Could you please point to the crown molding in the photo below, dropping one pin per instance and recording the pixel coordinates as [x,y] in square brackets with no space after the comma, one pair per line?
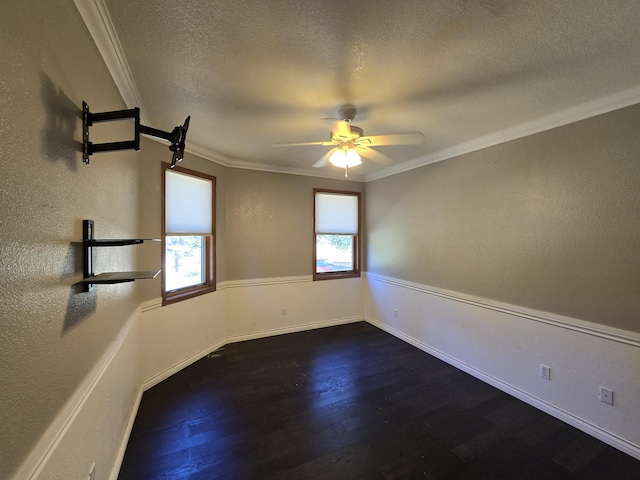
[570,115]
[96,17]
[212,156]
[206,154]
[307,172]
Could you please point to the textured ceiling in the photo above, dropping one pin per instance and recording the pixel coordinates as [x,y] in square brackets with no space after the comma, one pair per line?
[256,72]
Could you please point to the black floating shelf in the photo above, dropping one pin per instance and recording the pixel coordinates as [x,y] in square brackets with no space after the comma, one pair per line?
[118,242]
[89,244]
[120,277]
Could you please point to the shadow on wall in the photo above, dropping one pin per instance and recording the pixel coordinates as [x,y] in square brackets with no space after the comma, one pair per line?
[62,119]
[80,304]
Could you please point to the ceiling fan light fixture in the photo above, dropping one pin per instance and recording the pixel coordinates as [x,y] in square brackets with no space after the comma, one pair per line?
[345,158]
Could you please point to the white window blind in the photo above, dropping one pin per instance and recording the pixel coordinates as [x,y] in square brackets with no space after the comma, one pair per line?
[336,214]
[188,204]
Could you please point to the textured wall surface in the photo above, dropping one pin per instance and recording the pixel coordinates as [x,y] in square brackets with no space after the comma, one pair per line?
[550,222]
[51,335]
[152,155]
[270,223]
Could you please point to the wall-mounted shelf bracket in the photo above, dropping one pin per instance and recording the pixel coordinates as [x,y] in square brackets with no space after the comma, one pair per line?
[176,137]
[90,244]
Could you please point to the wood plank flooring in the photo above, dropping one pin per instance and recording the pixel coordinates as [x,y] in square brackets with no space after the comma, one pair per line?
[349,402]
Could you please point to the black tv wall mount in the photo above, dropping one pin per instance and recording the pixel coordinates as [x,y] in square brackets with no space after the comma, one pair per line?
[176,137]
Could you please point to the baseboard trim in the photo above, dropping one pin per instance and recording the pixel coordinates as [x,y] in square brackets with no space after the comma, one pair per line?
[156,379]
[37,459]
[589,328]
[295,328]
[581,424]
[159,377]
[115,471]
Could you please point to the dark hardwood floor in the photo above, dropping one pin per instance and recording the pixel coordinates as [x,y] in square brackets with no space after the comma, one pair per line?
[350,402]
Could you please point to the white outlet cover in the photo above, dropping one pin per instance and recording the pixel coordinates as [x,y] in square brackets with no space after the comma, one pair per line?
[545,372]
[606,396]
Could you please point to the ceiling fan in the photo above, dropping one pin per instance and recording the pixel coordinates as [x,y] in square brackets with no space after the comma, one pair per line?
[350,144]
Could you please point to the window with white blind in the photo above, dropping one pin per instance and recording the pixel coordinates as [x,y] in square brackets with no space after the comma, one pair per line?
[188,243]
[336,245]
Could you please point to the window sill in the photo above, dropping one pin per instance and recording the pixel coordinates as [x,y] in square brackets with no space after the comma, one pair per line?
[335,275]
[174,297]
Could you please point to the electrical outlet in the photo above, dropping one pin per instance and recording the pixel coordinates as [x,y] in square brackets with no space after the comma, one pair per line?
[606,396]
[545,372]
[284,310]
[92,472]
[395,312]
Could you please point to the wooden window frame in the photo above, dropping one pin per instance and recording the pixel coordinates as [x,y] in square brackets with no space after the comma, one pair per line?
[209,285]
[355,272]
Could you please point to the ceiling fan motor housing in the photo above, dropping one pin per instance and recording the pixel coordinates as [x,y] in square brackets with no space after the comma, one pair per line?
[356,133]
[347,112]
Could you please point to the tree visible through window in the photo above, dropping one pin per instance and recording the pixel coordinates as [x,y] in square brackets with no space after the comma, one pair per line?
[184,261]
[334,253]
[189,228]
[336,234]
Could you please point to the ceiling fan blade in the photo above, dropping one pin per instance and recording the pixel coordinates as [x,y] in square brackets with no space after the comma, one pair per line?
[410,138]
[374,155]
[303,144]
[324,161]
[343,129]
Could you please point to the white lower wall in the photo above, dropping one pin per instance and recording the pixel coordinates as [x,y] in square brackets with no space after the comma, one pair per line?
[181,333]
[256,306]
[157,342]
[92,424]
[504,345]
[501,344]
[178,334]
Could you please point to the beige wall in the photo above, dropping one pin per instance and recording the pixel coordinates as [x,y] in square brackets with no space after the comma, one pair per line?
[153,153]
[264,221]
[550,222]
[51,335]
[270,223]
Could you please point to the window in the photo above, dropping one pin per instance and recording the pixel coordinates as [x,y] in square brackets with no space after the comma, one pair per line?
[336,245]
[188,241]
